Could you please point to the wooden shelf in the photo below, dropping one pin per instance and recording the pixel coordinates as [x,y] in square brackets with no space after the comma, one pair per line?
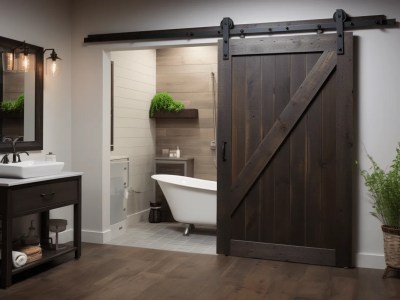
[191,113]
[47,255]
[11,115]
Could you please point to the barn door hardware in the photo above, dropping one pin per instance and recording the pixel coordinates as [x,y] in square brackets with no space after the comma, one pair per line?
[340,23]
[226,25]
[339,17]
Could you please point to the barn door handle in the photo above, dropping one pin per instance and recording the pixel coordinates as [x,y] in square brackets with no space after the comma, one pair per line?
[223,151]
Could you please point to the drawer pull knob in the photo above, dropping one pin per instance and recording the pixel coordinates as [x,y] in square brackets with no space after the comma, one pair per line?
[47,196]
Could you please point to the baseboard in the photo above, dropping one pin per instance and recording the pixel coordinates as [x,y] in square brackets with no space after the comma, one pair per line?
[97,237]
[118,229]
[138,217]
[101,237]
[370,260]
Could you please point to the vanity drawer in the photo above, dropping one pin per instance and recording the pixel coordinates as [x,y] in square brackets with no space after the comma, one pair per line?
[44,196]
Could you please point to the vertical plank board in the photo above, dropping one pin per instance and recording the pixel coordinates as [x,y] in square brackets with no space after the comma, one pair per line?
[297,158]
[253,138]
[313,175]
[328,179]
[267,189]
[239,74]
[344,158]
[282,159]
[223,166]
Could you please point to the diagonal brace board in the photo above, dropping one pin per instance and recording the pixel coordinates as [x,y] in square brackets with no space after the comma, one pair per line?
[282,127]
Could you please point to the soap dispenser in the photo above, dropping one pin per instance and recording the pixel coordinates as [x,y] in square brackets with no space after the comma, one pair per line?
[178,152]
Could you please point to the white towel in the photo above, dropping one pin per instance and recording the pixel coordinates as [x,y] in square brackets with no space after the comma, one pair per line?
[19,259]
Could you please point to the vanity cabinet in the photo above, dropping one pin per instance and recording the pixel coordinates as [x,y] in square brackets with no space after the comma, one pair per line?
[20,197]
[182,166]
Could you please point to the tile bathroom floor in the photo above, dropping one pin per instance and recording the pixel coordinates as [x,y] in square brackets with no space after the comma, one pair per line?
[168,236]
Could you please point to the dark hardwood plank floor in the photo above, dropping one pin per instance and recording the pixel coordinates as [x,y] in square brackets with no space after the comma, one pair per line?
[118,272]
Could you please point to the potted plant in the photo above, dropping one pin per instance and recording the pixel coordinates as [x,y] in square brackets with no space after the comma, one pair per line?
[385,191]
[164,102]
[13,107]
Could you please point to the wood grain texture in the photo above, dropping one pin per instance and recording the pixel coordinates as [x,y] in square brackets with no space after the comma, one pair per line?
[277,45]
[224,140]
[344,151]
[282,126]
[135,273]
[185,73]
[318,256]
[285,130]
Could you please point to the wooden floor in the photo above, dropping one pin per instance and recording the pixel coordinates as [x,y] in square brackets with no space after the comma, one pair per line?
[118,272]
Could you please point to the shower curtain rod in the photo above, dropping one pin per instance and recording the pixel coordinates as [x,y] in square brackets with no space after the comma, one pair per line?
[242,30]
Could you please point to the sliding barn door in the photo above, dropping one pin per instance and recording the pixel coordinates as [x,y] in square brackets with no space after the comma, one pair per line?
[285,149]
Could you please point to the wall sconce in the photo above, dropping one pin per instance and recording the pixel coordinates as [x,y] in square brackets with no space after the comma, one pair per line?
[16,59]
[51,62]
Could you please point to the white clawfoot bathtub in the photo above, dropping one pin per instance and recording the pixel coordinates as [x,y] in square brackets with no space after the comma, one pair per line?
[191,200]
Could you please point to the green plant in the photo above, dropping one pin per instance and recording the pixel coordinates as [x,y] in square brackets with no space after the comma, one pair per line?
[16,105]
[164,101]
[385,190]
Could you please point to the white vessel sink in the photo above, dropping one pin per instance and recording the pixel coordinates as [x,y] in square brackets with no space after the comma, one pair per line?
[30,168]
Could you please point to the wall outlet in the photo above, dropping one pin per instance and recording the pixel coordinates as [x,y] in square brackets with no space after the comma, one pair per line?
[212,145]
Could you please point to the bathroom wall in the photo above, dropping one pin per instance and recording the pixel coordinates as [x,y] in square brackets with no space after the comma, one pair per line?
[185,73]
[376,87]
[45,24]
[134,132]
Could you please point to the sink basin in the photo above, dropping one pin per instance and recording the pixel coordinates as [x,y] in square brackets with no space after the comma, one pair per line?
[30,168]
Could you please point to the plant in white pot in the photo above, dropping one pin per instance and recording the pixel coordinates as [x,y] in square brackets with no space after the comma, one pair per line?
[385,192]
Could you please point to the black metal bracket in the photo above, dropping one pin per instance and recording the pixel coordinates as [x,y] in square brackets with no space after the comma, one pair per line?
[340,17]
[226,25]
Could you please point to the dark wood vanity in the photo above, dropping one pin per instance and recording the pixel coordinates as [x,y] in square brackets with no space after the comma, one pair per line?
[21,197]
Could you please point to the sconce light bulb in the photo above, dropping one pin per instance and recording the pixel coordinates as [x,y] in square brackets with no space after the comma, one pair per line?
[25,63]
[53,67]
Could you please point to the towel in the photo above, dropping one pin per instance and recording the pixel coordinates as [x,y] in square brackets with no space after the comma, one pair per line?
[31,250]
[34,257]
[19,259]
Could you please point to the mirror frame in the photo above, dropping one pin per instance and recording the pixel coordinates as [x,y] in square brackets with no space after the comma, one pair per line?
[37,144]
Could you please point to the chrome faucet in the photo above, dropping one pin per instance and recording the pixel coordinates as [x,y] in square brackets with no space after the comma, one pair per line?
[16,155]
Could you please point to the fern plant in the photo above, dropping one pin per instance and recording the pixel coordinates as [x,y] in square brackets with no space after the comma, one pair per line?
[385,190]
[13,105]
[164,102]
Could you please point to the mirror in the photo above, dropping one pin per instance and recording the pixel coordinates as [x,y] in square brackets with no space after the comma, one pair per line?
[21,95]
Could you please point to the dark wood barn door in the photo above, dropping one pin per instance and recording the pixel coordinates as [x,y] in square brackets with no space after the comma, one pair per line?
[285,158]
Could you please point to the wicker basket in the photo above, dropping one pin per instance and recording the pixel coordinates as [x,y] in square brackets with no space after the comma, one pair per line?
[391,243]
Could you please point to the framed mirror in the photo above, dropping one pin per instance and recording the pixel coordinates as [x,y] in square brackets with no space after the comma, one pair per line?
[21,95]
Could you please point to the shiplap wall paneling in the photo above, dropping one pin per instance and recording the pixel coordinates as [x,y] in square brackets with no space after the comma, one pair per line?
[134,132]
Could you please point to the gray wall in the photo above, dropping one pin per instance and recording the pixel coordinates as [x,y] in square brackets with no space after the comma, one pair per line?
[376,69]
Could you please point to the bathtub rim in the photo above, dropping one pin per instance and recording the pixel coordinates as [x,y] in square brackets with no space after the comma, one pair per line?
[190,181]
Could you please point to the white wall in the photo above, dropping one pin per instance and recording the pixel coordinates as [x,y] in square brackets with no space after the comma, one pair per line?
[376,86]
[134,132]
[46,24]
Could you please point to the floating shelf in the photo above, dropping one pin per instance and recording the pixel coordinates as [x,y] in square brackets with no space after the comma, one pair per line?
[191,113]
[11,115]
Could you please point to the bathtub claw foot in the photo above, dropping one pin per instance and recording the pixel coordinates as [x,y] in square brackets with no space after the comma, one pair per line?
[188,227]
